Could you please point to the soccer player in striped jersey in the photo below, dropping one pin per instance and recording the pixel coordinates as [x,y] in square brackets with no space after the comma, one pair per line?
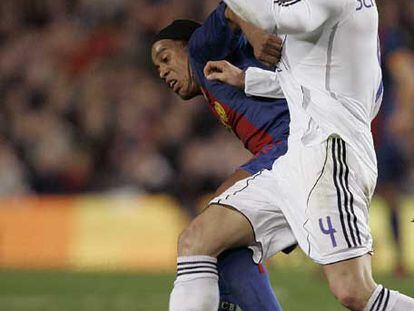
[180,53]
[331,76]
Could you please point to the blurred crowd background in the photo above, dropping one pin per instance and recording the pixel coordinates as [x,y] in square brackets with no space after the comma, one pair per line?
[82,109]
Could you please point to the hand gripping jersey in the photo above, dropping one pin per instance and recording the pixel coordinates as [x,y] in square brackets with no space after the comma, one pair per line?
[261,124]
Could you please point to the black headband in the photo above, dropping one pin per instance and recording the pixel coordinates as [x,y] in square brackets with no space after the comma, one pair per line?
[181,29]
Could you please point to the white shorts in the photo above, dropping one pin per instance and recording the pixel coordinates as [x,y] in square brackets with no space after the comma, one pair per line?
[318,195]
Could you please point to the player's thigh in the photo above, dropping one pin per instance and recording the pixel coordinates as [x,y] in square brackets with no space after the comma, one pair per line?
[215,230]
[337,207]
[326,200]
[253,198]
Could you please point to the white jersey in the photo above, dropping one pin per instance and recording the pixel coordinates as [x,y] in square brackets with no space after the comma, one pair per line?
[330,69]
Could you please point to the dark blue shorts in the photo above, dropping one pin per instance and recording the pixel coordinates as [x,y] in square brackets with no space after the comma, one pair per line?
[266,157]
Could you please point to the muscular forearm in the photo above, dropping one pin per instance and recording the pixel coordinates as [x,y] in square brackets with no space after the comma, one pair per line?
[237,22]
[255,81]
[233,19]
[245,10]
[267,47]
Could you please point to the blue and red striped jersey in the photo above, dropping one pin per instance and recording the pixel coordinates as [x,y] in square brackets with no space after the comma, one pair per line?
[257,122]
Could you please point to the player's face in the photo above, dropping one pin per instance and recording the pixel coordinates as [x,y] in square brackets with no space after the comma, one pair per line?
[171,59]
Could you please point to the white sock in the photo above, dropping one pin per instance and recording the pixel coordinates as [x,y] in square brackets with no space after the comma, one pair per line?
[384,299]
[402,302]
[196,287]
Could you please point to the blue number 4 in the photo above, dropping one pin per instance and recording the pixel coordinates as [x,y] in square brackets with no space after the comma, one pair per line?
[330,230]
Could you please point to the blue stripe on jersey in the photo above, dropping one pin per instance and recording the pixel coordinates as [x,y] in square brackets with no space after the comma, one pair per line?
[380,91]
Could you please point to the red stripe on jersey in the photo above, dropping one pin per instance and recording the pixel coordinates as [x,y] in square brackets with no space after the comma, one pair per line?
[262,269]
[253,138]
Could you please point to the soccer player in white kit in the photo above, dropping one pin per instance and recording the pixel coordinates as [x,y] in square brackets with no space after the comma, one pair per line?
[330,73]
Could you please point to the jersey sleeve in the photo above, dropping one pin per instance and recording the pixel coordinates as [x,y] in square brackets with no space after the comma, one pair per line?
[287,16]
[262,83]
[215,39]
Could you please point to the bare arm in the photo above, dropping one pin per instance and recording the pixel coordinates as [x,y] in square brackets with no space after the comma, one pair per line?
[225,72]
[254,82]
[267,46]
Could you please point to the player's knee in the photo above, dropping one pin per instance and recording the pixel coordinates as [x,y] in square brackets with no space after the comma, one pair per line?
[192,240]
[349,294]
[351,282]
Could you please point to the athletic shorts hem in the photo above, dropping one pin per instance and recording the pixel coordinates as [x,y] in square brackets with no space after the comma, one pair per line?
[333,259]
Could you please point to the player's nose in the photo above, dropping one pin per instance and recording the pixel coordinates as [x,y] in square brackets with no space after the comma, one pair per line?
[163,72]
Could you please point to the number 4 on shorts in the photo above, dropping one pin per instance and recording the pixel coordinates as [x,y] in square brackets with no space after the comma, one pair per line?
[330,230]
